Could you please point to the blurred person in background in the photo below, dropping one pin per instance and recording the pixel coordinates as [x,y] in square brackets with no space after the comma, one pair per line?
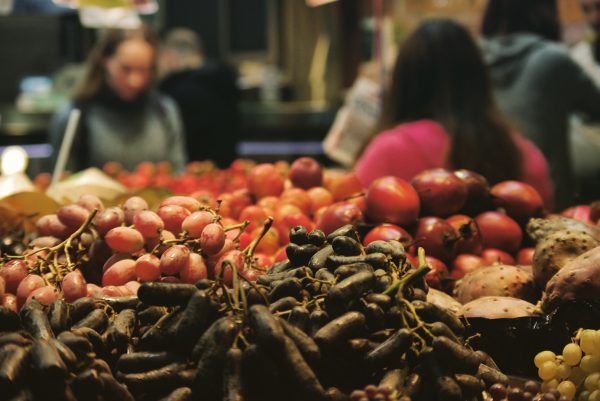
[536,83]
[585,137]
[123,119]
[440,112]
[207,95]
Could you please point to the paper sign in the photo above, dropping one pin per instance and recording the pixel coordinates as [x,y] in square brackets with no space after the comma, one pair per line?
[316,3]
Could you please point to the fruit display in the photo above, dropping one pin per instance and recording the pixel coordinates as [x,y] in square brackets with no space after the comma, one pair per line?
[265,281]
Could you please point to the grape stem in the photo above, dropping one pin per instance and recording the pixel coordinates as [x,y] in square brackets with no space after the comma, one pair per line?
[249,251]
[398,286]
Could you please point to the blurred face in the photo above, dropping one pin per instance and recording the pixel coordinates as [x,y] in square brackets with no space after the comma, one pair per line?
[129,70]
[591,10]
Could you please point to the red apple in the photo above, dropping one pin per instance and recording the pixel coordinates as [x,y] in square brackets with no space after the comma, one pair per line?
[438,273]
[387,232]
[595,212]
[298,197]
[525,256]
[392,200]
[437,237]
[499,231]
[256,215]
[579,212]
[306,173]
[491,256]
[521,201]
[338,215]
[265,180]
[440,191]
[463,264]
[469,235]
[344,186]
[478,191]
[319,197]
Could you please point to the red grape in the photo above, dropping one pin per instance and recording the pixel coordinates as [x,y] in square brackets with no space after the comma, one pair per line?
[147,268]
[74,286]
[119,273]
[133,206]
[195,223]
[132,287]
[187,202]
[212,239]
[194,270]
[112,291]
[148,223]
[109,219]
[13,272]
[46,295]
[44,241]
[174,259]
[9,301]
[173,216]
[51,225]
[72,216]
[92,290]
[2,287]
[114,259]
[27,286]
[90,202]
[124,239]
[170,279]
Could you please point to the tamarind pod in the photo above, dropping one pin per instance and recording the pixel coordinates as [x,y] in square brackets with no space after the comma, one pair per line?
[346,246]
[316,320]
[344,271]
[298,317]
[283,304]
[113,390]
[389,353]
[430,313]
[289,287]
[320,258]
[232,380]
[151,381]
[150,315]
[308,348]
[94,337]
[470,385]
[166,294]
[121,329]
[455,357]
[35,322]
[179,394]
[119,303]
[14,338]
[47,366]
[298,272]
[214,346]
[347,230]
[13,364]
[187,330]
[137,362]
[280,267]
[340,296]
[376,260]
[394,380]
[80,308]
[299,255]
[224,326]
[67,356]
[340,329]
[58,316]
[96,320]
[156,338]
[87,385]
[79,344]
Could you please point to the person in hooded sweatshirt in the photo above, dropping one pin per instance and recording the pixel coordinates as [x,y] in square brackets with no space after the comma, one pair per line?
[207,95]
[536,83]
[439,111]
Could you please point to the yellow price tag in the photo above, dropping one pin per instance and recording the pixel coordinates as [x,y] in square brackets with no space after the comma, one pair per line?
[106,3]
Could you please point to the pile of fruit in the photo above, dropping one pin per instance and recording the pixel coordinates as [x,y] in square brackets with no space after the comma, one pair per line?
[273,278]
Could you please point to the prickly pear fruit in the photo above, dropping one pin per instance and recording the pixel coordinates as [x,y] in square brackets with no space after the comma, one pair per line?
[498,308]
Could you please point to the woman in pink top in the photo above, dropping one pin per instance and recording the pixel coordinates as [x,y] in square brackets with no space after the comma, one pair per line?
[440,112]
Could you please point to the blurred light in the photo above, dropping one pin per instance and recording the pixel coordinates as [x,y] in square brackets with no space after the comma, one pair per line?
[14,160]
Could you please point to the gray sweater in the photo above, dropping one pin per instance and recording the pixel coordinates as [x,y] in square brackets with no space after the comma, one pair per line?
[538,87]
[152,131]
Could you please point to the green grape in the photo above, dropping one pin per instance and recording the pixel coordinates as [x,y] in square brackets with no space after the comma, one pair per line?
[590,363]
[542,357]
[549,385]
[567,388]
[583,396]
[591,382]
[548,370]
[572,354]
[587,341]
[563,371]
[594,396]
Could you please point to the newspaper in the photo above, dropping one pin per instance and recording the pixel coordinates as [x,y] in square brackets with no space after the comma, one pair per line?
[354,122]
